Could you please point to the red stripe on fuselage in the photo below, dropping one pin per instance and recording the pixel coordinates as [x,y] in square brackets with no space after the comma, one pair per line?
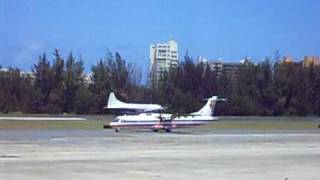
[158,125]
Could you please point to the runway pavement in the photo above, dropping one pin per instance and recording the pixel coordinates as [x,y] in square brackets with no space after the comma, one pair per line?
[43,118]
[187,154]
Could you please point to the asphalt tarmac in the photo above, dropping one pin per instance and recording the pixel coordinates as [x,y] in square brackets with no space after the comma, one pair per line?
[185,154]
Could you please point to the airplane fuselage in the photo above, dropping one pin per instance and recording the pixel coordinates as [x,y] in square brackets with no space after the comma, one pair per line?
[157,121]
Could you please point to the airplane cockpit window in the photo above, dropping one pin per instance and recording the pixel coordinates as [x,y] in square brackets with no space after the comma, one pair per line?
[115,120]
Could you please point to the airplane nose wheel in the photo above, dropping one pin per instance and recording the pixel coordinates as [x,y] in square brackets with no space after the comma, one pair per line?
[168,130]
[117,130]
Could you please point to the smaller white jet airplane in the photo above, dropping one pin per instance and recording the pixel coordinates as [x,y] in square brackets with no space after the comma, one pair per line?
[115,104]
[159,121]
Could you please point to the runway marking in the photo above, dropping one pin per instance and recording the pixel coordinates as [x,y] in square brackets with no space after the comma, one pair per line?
[44,118]
[7,157]
[248,134]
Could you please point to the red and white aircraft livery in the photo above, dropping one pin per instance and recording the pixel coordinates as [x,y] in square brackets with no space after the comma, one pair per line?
[160,121]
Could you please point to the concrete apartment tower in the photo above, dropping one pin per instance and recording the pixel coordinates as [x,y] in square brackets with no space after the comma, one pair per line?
[163,57]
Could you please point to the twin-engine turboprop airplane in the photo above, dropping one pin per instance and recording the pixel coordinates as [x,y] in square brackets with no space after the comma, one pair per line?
[160,121]
[130,108]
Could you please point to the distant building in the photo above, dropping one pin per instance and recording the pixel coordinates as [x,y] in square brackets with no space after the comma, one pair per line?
[23,74]
[290,60]
[87,79]
[217,67]
[231,69]
[4,69]
[311,60]
[163,57]
[287,59]
[203,60]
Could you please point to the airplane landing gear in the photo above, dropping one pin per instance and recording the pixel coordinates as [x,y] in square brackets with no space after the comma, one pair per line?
[116,129]
[168,130]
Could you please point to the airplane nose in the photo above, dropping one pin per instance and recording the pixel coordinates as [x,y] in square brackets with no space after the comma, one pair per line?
[107,126]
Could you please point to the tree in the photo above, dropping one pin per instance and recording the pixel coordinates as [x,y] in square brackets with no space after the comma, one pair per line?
[100,86]
[83,101]
[119,73]
[43,83]
[10,94]
[284,88]
[264,84]
[208,83]
[73,81]
[29,101]
[56,96]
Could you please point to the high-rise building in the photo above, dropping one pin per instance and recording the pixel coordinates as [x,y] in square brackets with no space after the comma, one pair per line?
[311,60]
[163,57]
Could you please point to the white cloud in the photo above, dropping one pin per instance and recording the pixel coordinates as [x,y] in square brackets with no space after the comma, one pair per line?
[31,45]
[27,52]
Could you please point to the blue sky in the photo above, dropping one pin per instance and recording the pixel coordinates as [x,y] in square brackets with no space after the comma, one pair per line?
[228,29]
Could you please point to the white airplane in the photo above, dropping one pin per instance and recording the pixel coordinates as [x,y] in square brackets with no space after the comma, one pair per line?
[159,121]
[115,104]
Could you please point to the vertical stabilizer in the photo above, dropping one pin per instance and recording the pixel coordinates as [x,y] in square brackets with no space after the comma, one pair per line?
[208,108]
[112,100]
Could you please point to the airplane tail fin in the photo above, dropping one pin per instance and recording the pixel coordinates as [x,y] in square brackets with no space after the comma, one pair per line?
[208,108]
[112,100]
